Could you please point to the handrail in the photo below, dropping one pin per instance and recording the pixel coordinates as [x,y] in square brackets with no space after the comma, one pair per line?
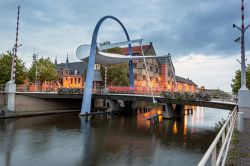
[211,153]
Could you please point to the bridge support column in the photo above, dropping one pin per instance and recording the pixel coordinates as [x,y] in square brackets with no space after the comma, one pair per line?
[180,109]
[112,105]
[10,89]
[98,103]
[130,105]
[168,111]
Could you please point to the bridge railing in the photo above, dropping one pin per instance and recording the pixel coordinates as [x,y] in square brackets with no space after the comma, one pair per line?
[224,100]
[37,88]
[95,90]
[134,90]
[218,150]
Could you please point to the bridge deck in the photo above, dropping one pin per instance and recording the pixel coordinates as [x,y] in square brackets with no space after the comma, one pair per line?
[134,97]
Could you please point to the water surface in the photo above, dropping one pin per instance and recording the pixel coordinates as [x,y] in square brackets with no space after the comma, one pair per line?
[66,140]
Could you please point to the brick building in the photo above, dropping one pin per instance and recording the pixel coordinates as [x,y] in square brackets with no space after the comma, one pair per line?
[161,73]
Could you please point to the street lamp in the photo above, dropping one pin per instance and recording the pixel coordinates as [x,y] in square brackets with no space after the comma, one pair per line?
[243,93]
[35,58]
[241,39]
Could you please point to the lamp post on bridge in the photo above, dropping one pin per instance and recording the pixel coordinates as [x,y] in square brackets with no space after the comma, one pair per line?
[35,58]
[243,93]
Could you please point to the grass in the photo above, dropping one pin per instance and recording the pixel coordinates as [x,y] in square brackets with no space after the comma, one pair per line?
[235,150]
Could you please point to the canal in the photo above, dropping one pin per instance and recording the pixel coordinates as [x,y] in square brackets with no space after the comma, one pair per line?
[66,139]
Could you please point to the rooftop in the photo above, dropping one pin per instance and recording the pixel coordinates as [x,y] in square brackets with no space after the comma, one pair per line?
[184,80]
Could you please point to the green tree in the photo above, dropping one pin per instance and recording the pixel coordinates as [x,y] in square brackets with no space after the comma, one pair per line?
[46,71]
[5,69]
[117,75]
[236,81]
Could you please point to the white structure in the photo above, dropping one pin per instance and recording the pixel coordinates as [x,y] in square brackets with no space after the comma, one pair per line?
[10,89]
[82,53]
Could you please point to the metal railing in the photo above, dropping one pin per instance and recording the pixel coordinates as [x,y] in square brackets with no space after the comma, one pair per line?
[217,152]
[38,88]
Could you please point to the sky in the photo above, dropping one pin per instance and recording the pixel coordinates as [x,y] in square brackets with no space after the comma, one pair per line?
[197,33]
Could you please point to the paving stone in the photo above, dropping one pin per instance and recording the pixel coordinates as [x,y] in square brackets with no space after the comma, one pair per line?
[244,145]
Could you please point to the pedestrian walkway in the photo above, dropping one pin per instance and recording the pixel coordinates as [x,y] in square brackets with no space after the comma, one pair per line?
[240,147]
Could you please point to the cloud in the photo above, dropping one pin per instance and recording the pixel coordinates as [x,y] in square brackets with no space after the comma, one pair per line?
[209,71]
[181,27]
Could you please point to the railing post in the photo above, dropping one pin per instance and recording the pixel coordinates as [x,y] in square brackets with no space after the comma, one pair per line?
[223,137]
[213,157]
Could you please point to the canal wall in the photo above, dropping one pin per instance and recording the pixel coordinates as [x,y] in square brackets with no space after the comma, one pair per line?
[30,104]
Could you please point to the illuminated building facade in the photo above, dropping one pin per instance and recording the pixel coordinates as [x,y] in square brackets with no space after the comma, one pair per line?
[71,74]
[160,71]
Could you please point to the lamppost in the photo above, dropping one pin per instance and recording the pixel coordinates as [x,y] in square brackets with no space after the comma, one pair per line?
[243,93]
[35,57]
[242,40]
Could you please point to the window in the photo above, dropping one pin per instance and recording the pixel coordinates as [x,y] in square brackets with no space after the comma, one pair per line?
[151,68]
[135,65]
[156,70]
[135,76]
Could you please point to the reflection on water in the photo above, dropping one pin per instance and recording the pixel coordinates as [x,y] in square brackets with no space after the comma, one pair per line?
[121,140]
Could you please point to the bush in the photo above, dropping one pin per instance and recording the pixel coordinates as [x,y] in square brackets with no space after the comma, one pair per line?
[201,96]
[70,90]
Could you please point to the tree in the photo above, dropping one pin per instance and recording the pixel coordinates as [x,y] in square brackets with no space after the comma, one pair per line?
[236,81]
[5,69]
[117,75]
[46,71]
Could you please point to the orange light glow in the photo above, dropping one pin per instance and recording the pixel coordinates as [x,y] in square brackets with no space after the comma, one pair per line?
[175,130]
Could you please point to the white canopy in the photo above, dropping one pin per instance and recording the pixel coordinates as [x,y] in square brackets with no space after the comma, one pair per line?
[83,51]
